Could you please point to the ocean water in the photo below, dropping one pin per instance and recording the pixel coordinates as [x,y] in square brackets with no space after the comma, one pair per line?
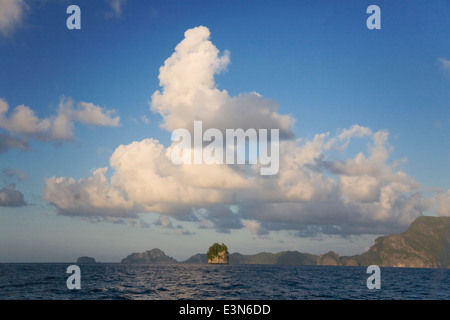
[113,281]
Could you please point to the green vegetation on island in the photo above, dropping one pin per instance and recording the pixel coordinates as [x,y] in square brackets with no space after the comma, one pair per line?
[217,253]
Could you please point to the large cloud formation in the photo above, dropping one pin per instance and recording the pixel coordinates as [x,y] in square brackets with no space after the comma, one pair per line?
[317,189]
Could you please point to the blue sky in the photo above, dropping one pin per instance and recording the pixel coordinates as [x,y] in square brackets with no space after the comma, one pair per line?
[316,60]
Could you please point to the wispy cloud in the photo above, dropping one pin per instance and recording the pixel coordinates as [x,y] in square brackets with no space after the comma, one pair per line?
[116,7]
[445,64]
[166,222]
[144,119]
[14,174]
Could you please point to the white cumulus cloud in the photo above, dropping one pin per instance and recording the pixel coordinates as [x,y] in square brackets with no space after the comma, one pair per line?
[23,122]
[305,192]
[318,188]
[189,92]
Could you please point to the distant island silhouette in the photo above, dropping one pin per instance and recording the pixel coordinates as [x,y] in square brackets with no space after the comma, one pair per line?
[86,259]
[426,244]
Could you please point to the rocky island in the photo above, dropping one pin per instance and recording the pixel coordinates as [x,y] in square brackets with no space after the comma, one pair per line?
[85,259]
[426,244]
[217,254]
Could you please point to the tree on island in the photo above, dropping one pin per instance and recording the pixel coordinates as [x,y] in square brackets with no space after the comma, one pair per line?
[217,253]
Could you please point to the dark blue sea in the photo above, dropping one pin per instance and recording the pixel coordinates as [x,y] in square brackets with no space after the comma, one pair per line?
[114,281]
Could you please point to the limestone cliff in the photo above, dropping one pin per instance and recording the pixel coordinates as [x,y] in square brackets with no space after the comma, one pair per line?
[218,254]
[221,258]
[424,245]
[328,259]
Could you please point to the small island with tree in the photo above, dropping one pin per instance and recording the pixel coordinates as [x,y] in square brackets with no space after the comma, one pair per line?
[217,254]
